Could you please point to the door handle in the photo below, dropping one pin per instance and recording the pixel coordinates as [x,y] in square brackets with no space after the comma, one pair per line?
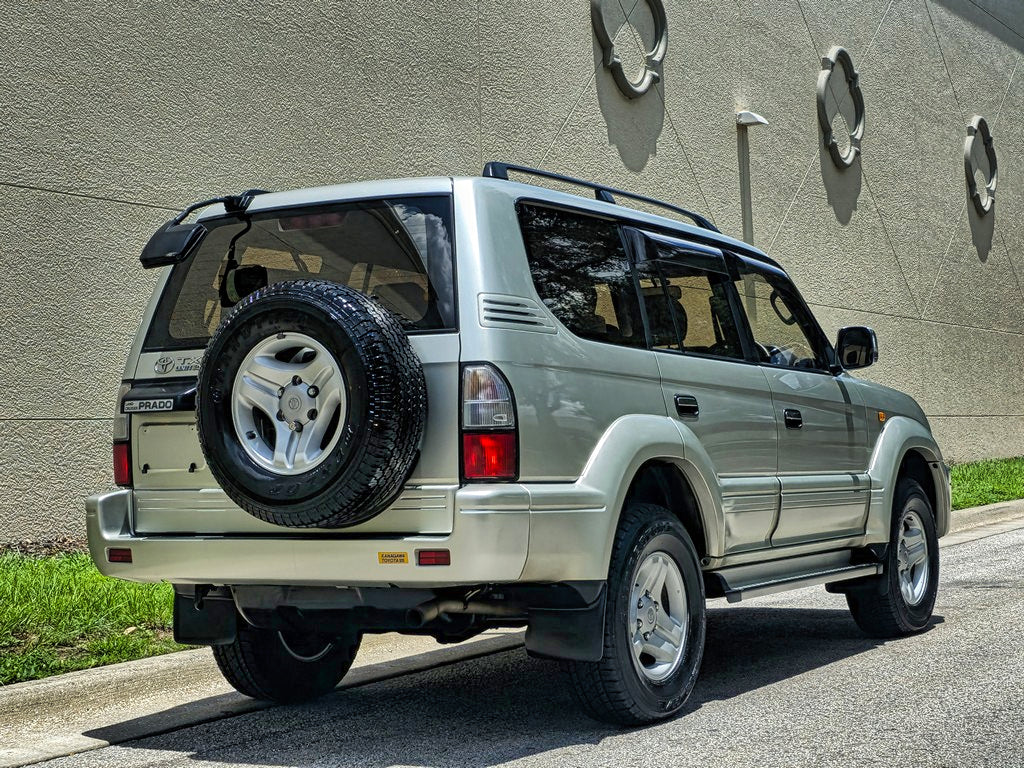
[793,418]
[687,405]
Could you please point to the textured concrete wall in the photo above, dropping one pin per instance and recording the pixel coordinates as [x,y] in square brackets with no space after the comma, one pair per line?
[115,114]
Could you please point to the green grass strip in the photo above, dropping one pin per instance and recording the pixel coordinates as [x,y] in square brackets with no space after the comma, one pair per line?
[59,614]
[987,482]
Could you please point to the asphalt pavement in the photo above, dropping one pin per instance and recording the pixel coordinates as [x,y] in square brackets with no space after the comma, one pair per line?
[787,680]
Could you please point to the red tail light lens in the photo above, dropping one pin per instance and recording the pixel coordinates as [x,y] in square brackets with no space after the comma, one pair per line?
[489,456]
[122,464]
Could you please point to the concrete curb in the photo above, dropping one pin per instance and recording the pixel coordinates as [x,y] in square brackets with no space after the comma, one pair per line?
[93,708]
[974,517]
[90,709]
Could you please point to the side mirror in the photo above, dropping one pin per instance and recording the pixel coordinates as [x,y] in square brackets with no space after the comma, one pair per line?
[857,347]
[172,244]
[240,282]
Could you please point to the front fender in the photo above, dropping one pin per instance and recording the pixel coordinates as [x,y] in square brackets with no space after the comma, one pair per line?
[899,436]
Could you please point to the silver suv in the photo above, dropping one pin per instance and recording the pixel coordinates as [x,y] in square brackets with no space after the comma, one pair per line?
[440,405]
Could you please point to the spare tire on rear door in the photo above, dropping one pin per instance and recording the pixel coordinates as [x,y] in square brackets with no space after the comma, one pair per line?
[310,405]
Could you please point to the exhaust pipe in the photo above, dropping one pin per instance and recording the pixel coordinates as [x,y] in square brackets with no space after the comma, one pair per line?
[427,612]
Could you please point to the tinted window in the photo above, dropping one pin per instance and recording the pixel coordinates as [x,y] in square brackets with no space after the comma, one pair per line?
[581,274]
[398,251]
[689,311]
[783,334]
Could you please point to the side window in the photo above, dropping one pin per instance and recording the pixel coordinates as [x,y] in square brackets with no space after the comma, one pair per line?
[783,336]
[689,311]
[581,273]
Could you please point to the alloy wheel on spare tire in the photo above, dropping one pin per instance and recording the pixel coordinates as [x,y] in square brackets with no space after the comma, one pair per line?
[310,405]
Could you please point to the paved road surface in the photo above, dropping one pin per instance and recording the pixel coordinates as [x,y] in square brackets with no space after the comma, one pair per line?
[787,681]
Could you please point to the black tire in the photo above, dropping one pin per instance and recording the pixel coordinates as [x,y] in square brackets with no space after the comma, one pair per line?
[614,690]
[384,420]
[260,665]
[877,604]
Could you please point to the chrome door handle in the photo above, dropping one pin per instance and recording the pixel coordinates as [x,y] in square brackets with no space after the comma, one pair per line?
[687,405]
[793,418]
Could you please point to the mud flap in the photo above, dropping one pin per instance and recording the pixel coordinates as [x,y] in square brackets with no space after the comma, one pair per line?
[209,620]
[575,634]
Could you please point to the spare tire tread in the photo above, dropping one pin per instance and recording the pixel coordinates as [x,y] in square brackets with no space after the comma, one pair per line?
[384,456]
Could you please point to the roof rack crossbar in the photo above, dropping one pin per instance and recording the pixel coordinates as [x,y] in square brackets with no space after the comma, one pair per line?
[496,170]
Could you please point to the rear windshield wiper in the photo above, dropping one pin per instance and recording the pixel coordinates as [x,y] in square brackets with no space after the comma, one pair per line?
[174,241]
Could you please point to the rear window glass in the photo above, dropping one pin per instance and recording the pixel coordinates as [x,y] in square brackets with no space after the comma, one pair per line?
[398,251]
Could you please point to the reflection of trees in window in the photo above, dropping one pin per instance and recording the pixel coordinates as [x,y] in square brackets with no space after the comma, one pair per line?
[581,274]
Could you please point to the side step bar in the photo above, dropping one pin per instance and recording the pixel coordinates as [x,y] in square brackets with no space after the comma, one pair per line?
[740,582]
[806,580]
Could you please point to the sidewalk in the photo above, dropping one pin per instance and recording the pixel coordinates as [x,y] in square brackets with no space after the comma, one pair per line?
[86,710]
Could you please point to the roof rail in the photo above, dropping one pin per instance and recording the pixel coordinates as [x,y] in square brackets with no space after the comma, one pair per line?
[495,170]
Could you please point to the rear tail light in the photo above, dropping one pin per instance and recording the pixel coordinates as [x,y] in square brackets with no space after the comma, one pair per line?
[490,438]
[122,464]
[489,456]
[120,417]
[122,446]
[122,437]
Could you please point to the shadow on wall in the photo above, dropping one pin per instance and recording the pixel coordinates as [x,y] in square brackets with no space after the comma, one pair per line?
[1003,19]
[982,229]
[634,125]
[842,185]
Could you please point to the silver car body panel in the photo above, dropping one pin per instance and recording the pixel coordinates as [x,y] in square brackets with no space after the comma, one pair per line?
[590,416]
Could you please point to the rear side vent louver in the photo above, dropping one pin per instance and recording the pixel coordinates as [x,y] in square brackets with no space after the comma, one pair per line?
[514,313]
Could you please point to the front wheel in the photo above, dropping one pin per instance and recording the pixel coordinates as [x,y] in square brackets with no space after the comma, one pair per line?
[654,624]
[284,666]
[900,600]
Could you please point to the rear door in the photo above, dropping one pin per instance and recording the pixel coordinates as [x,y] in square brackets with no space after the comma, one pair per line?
[707,382]
[823,447]
[398,250]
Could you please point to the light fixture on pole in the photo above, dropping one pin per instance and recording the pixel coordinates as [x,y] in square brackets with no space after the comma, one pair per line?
[744,120]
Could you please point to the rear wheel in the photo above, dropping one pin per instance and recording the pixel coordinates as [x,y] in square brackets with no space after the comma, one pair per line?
[284,666]
[900,600]
[654,624]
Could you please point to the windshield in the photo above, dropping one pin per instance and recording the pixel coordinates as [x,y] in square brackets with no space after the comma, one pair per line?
[398,251]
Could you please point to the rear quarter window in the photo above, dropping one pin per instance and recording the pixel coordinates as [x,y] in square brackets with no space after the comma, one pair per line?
[581,273]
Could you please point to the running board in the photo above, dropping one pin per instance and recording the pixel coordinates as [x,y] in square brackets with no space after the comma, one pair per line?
[807,580]
[753,580]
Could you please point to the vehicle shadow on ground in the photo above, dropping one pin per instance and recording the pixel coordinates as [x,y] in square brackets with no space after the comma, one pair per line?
[493,709]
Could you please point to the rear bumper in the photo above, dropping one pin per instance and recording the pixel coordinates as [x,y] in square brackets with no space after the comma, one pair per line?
[501,533]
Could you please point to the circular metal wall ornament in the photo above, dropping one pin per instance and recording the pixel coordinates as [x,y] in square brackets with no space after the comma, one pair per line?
[832,98]
[632,89]
[976,158]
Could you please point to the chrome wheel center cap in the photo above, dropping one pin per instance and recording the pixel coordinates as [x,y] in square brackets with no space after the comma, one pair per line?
[296,403]
[647,613]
